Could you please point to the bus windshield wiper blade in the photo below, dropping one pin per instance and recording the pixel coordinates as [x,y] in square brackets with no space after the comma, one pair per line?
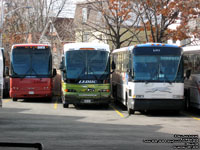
[79,76]
[93,73]
[23,76]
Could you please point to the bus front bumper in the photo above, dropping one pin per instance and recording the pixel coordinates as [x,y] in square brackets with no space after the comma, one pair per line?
[156,104]
[30,94]
[73,99]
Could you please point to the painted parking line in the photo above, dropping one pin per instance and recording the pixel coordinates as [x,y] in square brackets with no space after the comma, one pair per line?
[6,101]
[117,111]
[190,115]
[56,105]
[196,118]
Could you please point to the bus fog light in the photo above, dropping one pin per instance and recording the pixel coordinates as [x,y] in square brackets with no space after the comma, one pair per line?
[104,90]
[178,96]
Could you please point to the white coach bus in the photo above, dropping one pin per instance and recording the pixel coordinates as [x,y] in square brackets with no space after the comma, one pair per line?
[192,76]
[148,77]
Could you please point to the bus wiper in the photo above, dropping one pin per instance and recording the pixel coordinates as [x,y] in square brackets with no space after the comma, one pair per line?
[26,73]
[79,76]
[104,73]
[33,70]
[165,78]
[30,70]
[93,73]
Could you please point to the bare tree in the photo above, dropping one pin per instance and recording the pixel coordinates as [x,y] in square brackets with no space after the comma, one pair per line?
[30,22]
[112,18]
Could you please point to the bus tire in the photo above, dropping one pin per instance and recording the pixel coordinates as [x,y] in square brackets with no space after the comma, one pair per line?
[130,111]
[65,105]
[14,99]
[105,106]
[187,100]
[115,95]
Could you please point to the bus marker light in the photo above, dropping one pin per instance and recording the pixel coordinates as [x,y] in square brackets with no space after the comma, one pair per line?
[86,48]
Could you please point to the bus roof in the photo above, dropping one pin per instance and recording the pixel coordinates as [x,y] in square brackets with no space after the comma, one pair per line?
[191,48]
[29,44]
[94,46]
[129,48]
[123,49]
[157,45]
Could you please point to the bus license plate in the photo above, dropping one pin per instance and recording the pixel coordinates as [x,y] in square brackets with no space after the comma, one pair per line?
[31,92]
[87,101]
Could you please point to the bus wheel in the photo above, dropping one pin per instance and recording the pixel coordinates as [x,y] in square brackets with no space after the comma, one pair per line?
[65,105]
[106,106]
[115,95]
[130,111]
[14,99]
[187,100]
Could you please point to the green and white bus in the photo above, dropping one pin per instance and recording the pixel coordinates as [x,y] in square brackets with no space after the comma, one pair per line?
[85,74]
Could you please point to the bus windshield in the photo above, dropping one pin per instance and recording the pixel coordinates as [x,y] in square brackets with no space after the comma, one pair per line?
[31,62]
[87,64]
[163,68]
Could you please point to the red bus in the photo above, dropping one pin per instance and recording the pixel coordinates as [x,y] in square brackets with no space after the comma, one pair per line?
[31,71]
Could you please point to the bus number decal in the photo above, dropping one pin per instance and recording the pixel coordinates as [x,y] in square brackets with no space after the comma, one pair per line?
[41,47]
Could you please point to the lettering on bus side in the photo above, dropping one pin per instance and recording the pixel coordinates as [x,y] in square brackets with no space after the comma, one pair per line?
[87,82]
[156,50]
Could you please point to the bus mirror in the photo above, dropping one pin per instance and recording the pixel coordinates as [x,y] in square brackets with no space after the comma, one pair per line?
[61,66]
[113,65]
[6,71]
[54,72]
[188,73]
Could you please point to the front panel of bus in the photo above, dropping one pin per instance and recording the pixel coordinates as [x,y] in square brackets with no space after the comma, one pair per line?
[157,77]
[31,71]
[87,76]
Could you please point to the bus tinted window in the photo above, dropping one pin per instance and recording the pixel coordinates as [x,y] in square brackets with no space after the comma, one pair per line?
[31,61]
[158,68]
[192,62]
[87,64]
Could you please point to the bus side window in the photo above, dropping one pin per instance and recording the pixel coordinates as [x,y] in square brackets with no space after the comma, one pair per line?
[189,62]
[197,63]
[186,63]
